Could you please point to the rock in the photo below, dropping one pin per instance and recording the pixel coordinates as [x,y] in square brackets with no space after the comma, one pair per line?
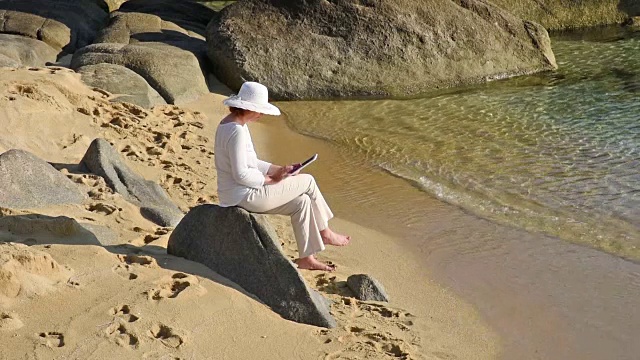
[114,4]
[102,159]
[116,79]
[24,51]
[240,246]
[27,182]
[63,24]
[634,21]
[174,73]
[189,15]
[563,14]
[367,288]
[303,49]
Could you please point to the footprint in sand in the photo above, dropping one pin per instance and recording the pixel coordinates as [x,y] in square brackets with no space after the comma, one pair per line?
[51,339]
[168,336]
[146,261]
[178,283]
[125,272]
[9,321]
[358,336]
[121,335]
[124,312]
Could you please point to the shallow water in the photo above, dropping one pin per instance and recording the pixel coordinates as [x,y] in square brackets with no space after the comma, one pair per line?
[556,153]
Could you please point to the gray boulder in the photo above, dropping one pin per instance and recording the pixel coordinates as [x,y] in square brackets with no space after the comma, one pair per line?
[16,51]
[27,182]
[174,73]
[116,79]
[240,246]
[367,288]
[65,25]
[102,159]
[308,49]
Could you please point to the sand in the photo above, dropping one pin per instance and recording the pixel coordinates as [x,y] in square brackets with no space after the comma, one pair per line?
[94,280]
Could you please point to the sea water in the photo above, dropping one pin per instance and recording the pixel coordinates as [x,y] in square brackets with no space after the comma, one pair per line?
[556,153]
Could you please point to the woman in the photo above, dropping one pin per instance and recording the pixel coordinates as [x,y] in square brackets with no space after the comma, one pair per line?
[261,187]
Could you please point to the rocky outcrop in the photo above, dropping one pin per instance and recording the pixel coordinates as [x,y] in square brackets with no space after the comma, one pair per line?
[102,159]
[568,14]
[162,41]
[116,79]
[65,25]
[241,247]
[174,73]
[306,49]
[367,288]
[27,182]
[16,51]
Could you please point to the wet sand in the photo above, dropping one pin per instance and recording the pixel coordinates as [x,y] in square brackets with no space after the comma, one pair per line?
[546,298]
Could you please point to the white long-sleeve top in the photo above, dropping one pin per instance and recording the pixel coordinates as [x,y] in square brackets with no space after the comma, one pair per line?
[238,166]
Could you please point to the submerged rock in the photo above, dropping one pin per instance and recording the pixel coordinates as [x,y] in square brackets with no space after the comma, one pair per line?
[241,247]
[102,159]
[367,288]
[28,182]
[305,49]
[16,51]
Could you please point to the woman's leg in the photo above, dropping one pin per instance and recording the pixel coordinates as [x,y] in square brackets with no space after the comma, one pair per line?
[299,197]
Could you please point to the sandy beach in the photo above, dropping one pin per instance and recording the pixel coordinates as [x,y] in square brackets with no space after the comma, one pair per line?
[113,292]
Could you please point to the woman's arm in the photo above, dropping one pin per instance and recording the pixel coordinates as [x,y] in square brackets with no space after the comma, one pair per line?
[240,170]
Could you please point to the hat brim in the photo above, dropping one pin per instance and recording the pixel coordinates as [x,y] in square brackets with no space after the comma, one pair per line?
[267,109]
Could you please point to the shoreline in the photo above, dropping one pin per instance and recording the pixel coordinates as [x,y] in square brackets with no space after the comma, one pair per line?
[540,294]
[444,324]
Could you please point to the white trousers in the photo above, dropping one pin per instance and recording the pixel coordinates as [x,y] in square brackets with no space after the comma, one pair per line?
[299,197]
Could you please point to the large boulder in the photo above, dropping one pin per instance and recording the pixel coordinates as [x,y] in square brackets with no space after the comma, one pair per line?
[116,79]
[102,159]
[16,51]
[305,49]
[174,73]
[65,25]
[27,182]
[567,14]
[241,247]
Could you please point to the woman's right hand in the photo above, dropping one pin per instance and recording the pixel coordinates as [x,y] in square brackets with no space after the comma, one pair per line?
[278,175]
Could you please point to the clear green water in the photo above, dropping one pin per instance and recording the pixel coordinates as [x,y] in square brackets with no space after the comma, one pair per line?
[557,153]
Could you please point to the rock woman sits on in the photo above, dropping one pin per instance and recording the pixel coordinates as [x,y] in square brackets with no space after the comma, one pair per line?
[261,187]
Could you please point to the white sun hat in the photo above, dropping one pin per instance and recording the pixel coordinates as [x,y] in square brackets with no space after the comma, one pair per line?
[252,96]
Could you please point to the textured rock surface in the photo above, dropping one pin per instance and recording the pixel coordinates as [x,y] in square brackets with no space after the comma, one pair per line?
[566,14]
[367,288]
[174,73]
[117,79]
[304,49]
[63,24]
[29,182]
[16,50]
[102,159]
[240,246]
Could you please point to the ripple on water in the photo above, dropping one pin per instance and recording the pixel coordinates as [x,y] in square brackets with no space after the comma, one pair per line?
[557,153]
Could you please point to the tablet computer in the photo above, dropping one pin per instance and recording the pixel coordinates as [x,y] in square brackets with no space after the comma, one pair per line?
[304,163]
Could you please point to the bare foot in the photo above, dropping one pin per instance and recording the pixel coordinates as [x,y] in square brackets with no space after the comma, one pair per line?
[311,263]
[331,238]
